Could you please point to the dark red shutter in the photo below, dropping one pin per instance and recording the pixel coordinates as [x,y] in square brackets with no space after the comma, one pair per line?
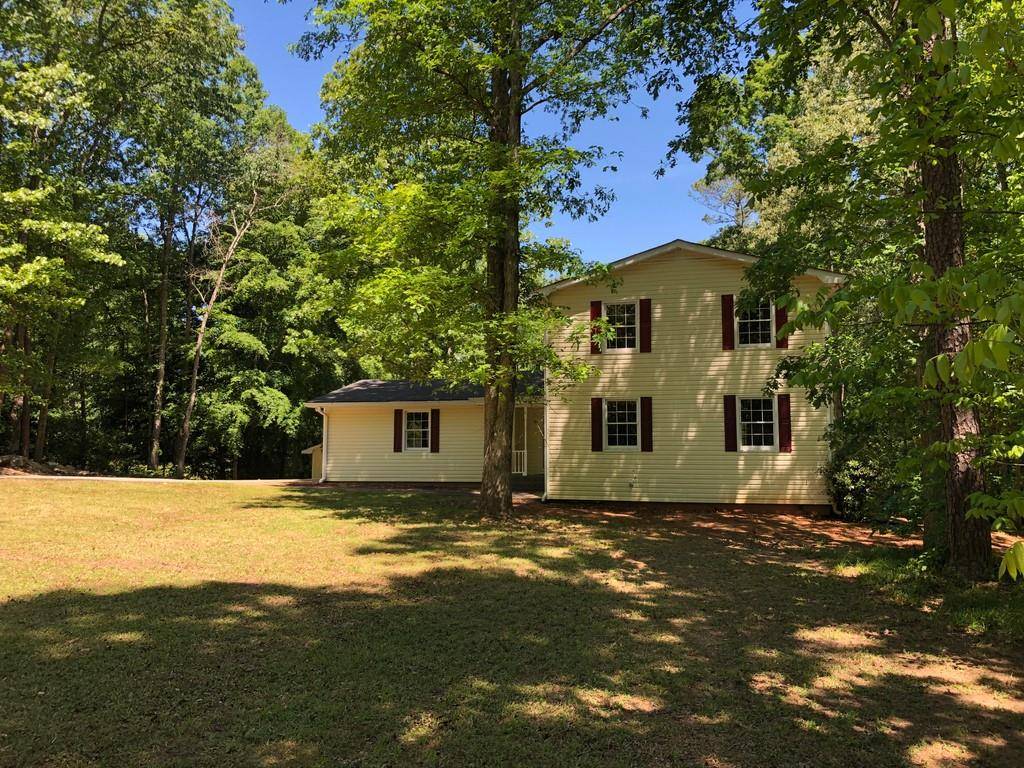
[435,430]
[730,422]
[398,430]
[728,322]
[781,318]
[595,314]
[785,425]
[646,425]
[645,325]
[596,424]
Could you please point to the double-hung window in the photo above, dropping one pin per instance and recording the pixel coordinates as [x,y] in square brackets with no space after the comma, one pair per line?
[757,423]
[417,430]
[622,420]
[754,326]
[622,319]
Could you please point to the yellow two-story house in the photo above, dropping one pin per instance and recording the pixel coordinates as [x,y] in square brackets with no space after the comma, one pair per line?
[676,411]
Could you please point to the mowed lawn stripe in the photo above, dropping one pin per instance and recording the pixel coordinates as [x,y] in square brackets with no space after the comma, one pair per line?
[228,624]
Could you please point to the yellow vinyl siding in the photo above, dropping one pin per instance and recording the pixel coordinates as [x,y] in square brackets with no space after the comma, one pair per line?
[535,441]
[360,440]
[686,374]
[316,468]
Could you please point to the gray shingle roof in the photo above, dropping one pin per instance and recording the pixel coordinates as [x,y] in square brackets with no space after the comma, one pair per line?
[375,391]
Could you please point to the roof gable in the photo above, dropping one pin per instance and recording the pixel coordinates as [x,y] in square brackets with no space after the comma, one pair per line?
[685,247]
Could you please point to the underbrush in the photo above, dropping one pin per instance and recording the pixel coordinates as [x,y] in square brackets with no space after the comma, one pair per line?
[915,579]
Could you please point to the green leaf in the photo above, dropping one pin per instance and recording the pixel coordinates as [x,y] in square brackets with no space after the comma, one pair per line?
[930,377]
[1013,561]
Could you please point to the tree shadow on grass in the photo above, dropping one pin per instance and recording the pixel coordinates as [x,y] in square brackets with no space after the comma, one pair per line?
[603,641]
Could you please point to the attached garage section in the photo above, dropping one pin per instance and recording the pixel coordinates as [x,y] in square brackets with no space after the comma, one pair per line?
[417,432]
[422,442]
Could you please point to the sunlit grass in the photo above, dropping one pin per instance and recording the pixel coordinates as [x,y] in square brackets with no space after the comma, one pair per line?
[247,625]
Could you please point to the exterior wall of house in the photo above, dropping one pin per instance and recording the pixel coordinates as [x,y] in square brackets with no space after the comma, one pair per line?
[316,465]
[535,440]
[360,444]
[686,374]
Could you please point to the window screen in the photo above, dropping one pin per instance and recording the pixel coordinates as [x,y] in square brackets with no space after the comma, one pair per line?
[622,319]
[757,422]
[417,429]
[755,325]
[621,423]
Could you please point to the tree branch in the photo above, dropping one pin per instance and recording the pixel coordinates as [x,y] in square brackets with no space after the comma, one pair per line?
[580,46]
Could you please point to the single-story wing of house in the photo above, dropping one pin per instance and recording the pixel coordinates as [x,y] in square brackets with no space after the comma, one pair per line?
[677,410]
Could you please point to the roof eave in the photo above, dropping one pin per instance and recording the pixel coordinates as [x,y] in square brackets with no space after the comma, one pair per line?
[825,276]
[314,404]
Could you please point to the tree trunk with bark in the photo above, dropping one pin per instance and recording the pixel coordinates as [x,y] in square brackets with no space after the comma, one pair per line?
[5,340]
[935,534]
[44,406]
[502,291]
[969,541]
[167,230]
[227,253]
[26,400]
[13,341]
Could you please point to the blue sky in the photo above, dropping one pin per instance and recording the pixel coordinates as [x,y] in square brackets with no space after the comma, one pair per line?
[647,211]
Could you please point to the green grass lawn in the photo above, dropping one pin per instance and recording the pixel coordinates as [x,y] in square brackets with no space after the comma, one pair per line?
[218,624]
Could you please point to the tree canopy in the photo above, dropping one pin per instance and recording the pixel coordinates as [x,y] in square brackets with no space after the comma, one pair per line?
[883,141]
[130,128]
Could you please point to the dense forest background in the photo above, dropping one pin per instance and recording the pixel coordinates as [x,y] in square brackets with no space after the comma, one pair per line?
[136,147]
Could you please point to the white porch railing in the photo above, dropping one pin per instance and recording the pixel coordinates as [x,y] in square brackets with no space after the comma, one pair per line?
[518,462]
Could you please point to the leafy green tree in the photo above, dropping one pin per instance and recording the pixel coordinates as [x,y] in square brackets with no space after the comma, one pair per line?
[189,142]
[457,119]
[51,126]
[127,127]
[263,182]
[881,139]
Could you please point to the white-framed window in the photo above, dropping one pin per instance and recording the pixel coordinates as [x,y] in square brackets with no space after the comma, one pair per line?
[756,422]
[622,425]
[755,327]
[417,430]
[622,318]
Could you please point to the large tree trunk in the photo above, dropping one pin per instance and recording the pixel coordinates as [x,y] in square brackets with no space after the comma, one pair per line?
[502,293]
[190,404]
[167,229]
[934,518]
[197,351]
[25,426]
[44,407]
[969,540]
[83,421]
[5,340]
[14,416]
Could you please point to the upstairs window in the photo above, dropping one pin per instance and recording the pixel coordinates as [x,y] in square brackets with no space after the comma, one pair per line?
[621,422]
[622,320]
[417,430]
[754,326]
[757,423]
